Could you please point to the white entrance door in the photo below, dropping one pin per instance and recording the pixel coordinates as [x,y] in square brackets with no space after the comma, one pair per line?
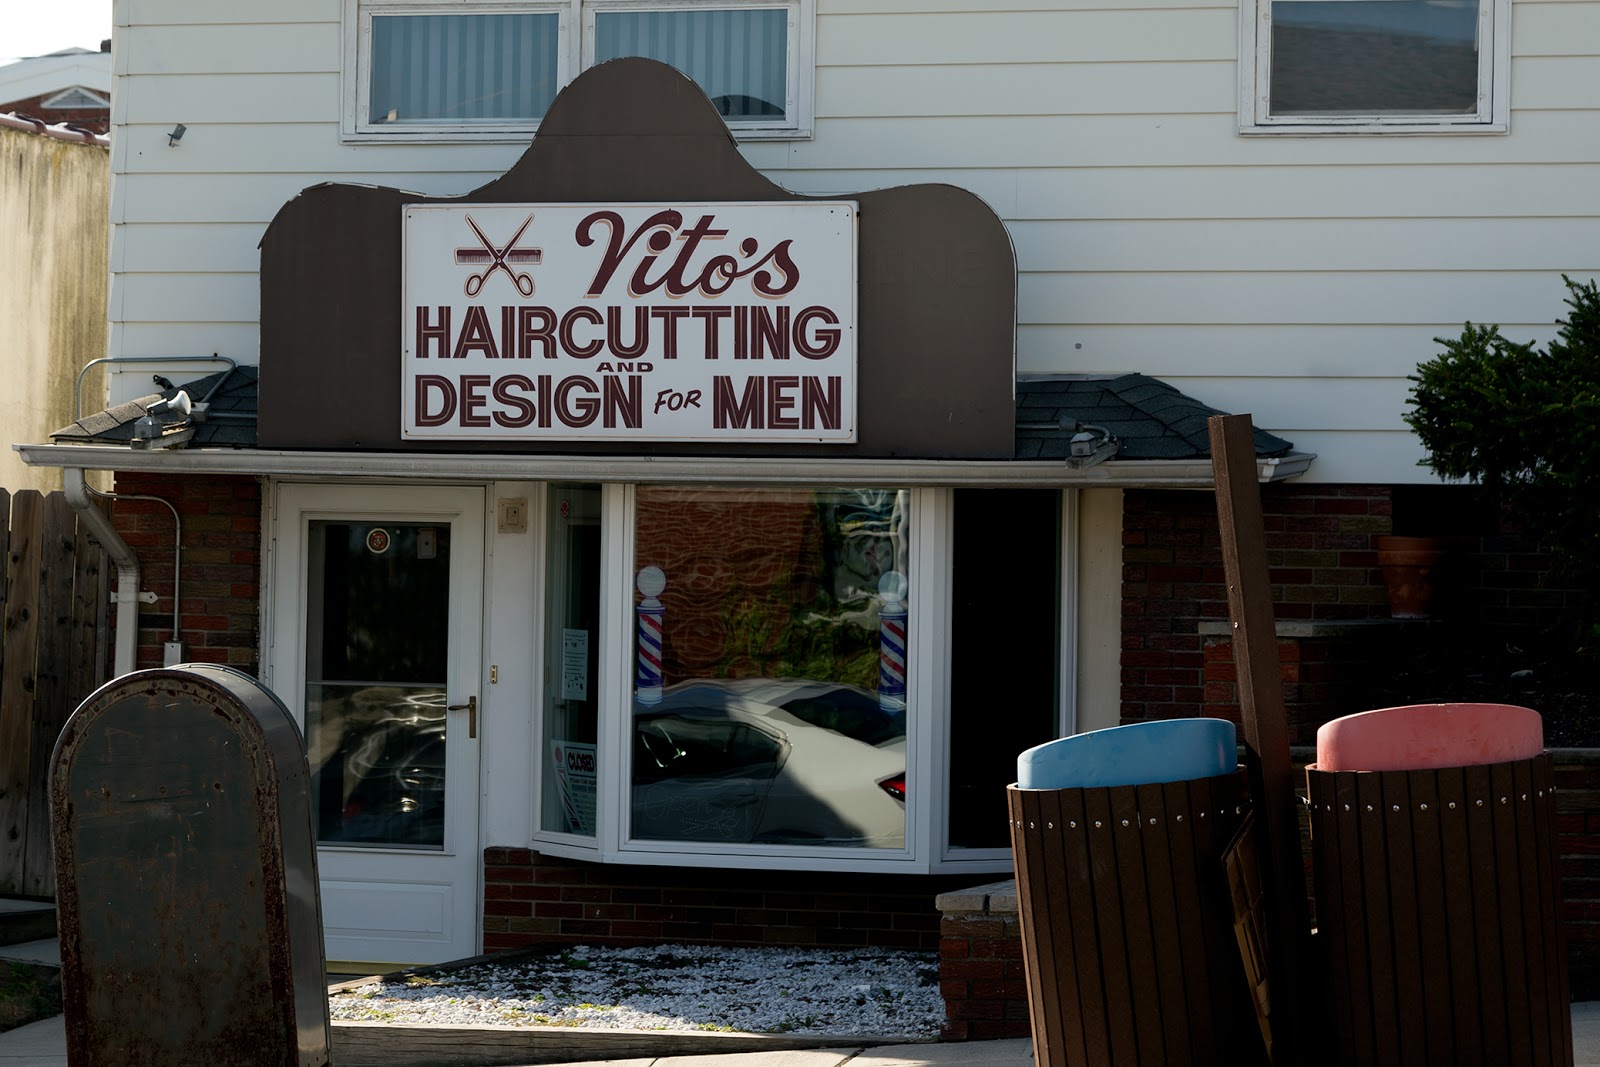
[377,599]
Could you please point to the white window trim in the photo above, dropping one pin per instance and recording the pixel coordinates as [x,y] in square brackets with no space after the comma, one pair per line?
[798,90]
[357,82]
[575,52]
[1493,114]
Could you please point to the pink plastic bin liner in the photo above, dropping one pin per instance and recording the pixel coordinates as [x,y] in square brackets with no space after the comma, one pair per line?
[1422,737]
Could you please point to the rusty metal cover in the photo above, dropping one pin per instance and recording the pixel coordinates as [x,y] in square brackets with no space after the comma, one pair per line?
[191,928]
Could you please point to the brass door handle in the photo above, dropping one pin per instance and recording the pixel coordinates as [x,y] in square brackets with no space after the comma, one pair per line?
[471,708]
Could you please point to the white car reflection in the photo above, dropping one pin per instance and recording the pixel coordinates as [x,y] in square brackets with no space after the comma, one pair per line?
[779,761]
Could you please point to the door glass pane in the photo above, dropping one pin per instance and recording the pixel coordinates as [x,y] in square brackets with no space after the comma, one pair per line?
[462,68]
[739,56]
[770,700]
[1005,648]
[572,649]
[377,642]
[1374,57]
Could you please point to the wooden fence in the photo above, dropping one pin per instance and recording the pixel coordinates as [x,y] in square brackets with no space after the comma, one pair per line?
[53,597]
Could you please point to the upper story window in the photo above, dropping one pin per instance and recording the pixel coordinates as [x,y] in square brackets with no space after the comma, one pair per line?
[1369,66]
[468,71]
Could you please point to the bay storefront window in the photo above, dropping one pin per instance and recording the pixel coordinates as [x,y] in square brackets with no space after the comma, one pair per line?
[769,704]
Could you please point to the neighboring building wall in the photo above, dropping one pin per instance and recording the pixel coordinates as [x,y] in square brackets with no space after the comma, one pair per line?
[220,593]
[1150,235]
[93,119]
[53,234]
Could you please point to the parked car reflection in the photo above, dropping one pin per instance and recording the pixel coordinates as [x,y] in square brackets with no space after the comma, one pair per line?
[382,781]
[784,761]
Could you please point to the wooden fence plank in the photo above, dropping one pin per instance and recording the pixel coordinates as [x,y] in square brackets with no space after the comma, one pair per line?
[1541,959]
[1127,834]
[1111,930]
[17,684]
[1168,942]
[1486,913]
[1079,875]
[5,560]
[86,661]
[1455,847]
[52,699]
[1192,919]
[1409,967]
[1266,733]
[1433,935]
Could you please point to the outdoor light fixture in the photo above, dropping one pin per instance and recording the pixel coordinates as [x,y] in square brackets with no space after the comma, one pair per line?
[150,432]
[1090,445]
[176,135]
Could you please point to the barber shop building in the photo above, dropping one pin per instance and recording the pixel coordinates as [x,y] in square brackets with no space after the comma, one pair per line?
[671,457]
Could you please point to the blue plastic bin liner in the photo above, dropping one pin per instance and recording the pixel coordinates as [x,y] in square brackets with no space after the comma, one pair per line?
[1170,750]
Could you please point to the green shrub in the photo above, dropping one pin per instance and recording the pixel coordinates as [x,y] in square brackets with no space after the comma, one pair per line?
[1525,424]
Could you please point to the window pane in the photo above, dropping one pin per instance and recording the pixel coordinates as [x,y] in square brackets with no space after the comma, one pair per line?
[770,696]
[572,650]
[1005,649]
[739,56]
[463,68]
[1374,57]
[378,601]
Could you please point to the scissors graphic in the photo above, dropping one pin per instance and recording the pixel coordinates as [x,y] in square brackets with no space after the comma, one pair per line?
[499,259]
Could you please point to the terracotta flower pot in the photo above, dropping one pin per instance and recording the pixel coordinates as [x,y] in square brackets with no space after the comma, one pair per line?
[1407,564]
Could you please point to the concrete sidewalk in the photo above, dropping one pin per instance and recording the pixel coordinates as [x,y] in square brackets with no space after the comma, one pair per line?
[43,1044]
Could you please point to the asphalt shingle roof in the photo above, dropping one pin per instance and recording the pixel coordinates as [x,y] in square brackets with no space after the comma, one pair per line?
[1153,420]
[231,422]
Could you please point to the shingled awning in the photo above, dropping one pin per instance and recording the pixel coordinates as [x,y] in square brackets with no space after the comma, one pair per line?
[1150,418]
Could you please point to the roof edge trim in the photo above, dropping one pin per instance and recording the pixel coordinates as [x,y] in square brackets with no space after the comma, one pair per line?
[479,467]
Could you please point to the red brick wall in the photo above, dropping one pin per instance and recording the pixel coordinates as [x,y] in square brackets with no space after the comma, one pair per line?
[530,898]
[982,978]
[220,590]
[1322,565]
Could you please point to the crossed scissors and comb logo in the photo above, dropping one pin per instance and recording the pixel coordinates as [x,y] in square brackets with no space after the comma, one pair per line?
[492,259]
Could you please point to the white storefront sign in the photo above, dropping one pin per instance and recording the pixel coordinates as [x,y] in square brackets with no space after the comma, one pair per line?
[645,322]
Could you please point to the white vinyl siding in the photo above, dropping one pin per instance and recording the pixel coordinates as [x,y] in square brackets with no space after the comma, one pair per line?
[1297,278]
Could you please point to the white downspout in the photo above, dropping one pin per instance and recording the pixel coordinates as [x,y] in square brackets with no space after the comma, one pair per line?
[127,595]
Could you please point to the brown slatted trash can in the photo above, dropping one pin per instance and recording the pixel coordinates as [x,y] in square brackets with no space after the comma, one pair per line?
[1438,888]
[1127,927]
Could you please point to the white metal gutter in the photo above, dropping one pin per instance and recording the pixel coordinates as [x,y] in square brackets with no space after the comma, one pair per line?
[750,470]
[127,595]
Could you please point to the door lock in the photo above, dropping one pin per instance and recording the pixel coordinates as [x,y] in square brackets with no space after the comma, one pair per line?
[471,708]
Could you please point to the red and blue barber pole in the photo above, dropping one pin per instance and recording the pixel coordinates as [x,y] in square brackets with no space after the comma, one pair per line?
[651,581]
[892,616]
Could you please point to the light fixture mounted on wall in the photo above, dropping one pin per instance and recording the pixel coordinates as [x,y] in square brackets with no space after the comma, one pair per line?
[151,432]
[176,135]
[1091,444]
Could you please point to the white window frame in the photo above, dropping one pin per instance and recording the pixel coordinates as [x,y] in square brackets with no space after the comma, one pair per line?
[1493,113]
[575,52]
[927,849]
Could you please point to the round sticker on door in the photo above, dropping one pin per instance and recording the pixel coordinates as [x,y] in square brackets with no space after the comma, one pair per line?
[378,540]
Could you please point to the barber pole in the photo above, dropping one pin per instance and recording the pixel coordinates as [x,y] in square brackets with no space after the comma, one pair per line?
[651,582]
[892,641]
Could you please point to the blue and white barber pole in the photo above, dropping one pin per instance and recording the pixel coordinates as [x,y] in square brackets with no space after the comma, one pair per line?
[651,581]
[892,615]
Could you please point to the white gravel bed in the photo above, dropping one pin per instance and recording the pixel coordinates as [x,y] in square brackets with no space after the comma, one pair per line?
[672,987]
